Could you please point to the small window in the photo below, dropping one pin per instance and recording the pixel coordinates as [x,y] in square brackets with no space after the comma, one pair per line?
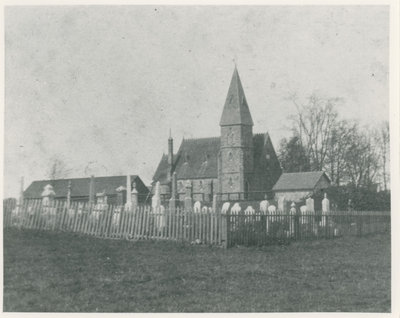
[201,185]
[230,156]
[267,156]
[230,183]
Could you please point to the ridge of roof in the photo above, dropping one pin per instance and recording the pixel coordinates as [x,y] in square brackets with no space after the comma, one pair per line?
[84,178]
[202,139]
[305,172]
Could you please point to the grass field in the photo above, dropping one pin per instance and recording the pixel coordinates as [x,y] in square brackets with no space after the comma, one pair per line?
[63,272]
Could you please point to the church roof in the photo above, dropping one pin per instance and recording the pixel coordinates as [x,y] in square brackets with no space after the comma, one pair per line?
[80,186]
[198,158]
[299,180]
[236,110]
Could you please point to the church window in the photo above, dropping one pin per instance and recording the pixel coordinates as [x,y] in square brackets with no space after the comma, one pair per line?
[230,156]
[230,183]
[201,185]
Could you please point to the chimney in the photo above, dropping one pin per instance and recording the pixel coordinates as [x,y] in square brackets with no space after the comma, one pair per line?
[170,155]
[91,190]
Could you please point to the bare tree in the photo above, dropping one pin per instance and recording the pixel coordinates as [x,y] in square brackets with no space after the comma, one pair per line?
[383,145]
[314,123]
[361,160]
[57,169]
[340,141]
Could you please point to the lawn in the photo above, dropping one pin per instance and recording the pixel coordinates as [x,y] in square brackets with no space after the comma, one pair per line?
[60,272]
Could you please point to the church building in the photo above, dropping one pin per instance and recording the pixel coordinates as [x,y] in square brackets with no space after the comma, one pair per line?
[237,165]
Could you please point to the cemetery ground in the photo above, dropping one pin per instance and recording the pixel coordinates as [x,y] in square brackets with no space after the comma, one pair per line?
[60,272]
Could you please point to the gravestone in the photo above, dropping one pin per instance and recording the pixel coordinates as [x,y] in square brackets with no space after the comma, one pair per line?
[282,204]
[156,199]
[48,195]
[120,195]
[188,196]
[325,204]
[174,193]
[134,197]
[310,204]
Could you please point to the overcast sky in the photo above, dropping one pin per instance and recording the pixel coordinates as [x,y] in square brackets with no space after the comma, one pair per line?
[100,86]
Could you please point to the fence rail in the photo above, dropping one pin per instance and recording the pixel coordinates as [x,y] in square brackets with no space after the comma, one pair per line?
[215,228]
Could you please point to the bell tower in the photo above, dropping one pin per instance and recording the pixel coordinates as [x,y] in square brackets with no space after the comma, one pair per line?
[236,158]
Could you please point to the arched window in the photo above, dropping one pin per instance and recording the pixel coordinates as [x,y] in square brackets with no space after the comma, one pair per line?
[230,182]
[230,156]
[201,184]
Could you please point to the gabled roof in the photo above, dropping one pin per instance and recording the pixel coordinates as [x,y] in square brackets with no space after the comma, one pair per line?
[198,158]
[79,186]
[236,110]
[299,180]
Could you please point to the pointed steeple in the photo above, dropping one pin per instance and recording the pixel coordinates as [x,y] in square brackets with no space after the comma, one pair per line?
[236,111]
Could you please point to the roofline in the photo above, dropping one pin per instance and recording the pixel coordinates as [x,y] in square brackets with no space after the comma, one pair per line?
[293,189]
[50,180]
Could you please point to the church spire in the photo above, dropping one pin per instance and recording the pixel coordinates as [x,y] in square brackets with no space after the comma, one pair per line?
[236,111]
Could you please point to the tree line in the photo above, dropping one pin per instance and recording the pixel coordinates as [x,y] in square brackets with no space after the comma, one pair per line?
[353,156]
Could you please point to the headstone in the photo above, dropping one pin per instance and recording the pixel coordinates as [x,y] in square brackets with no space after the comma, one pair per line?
[174,193]
[188,196]
[325,204]
[134,197]
[215,203]
[197,207]
[48,195]
[282,204]
[310,204]
[101,197]
[120,195]
[264,206]
[156,199]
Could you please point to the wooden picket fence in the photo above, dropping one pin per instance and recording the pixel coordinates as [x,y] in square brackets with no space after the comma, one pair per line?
[264,229]
[213,228]
[116,223]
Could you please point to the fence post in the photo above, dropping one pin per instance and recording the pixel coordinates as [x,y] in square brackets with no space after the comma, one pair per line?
[225,229]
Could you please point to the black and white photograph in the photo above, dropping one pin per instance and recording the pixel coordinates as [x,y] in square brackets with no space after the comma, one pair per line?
[219,158]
